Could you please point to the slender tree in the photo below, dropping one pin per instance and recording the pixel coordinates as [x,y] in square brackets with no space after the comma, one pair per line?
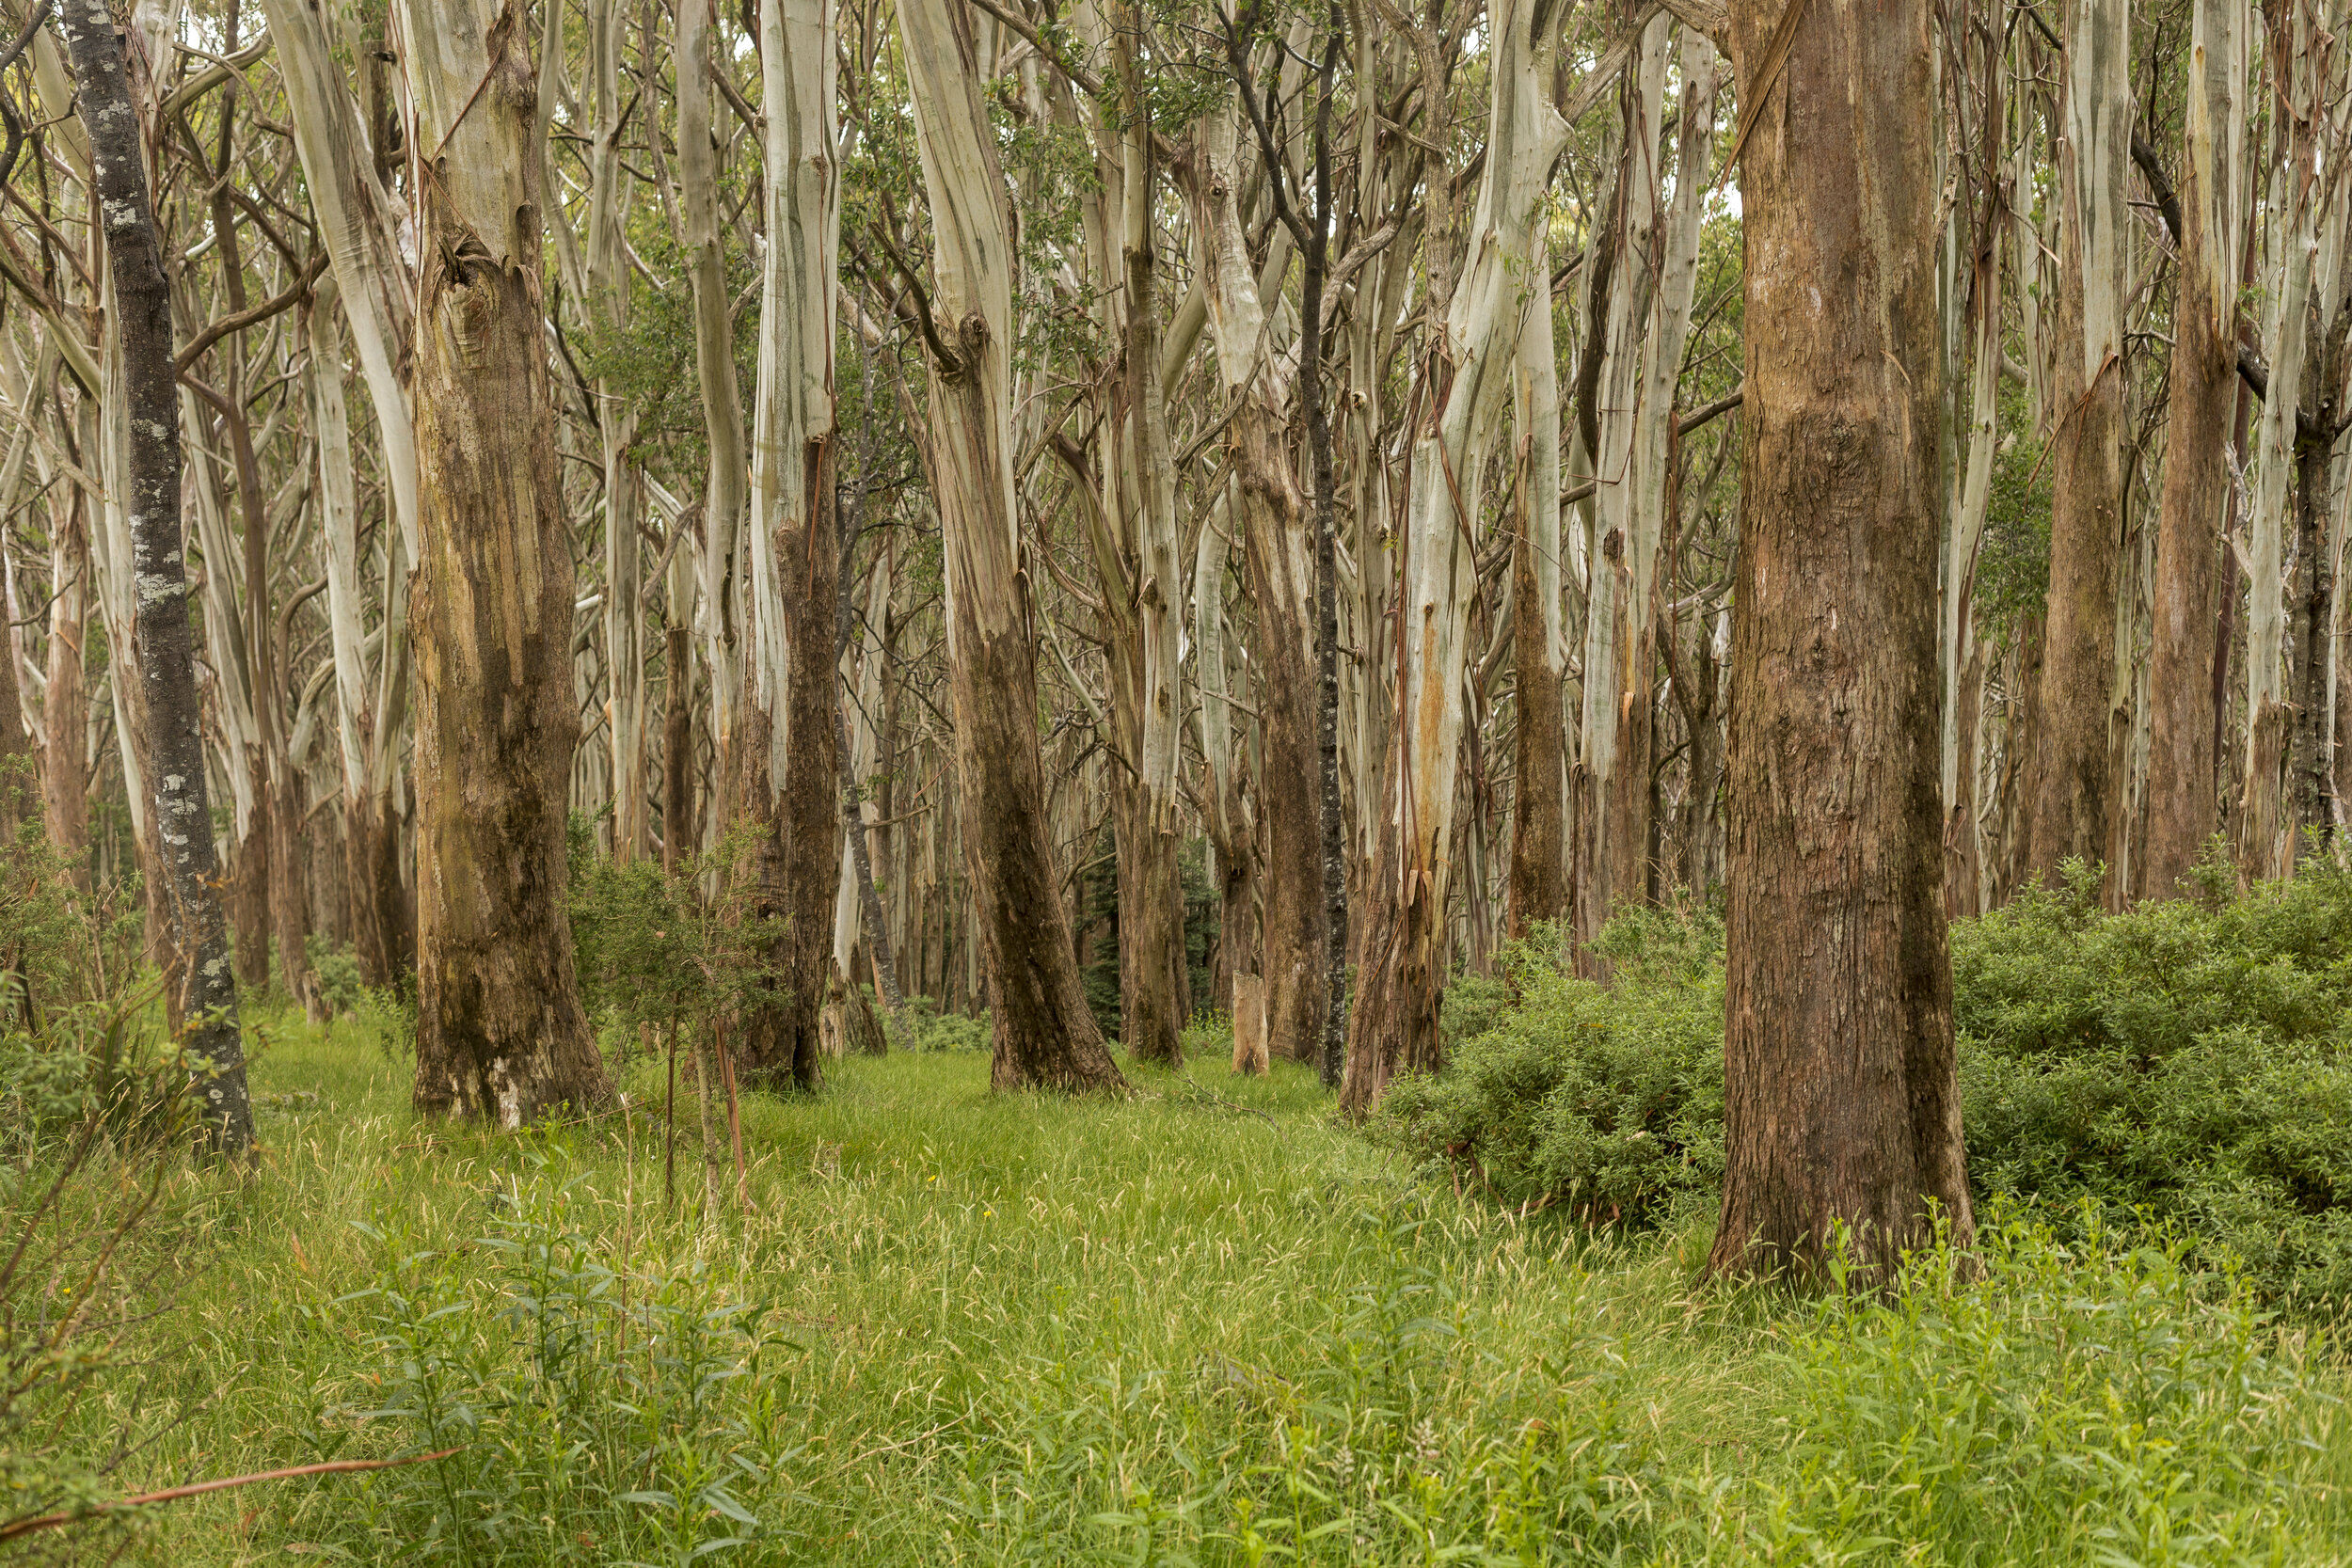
[167,665]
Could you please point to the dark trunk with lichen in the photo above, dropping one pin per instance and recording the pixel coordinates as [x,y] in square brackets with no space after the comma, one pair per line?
[206,985]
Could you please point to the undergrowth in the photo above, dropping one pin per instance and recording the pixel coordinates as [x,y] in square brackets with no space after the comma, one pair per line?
[2183,1067]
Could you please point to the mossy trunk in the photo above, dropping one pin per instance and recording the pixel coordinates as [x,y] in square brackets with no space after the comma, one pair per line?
[500,1033]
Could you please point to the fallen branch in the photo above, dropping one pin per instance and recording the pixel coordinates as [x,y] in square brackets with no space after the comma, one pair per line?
[341,1467]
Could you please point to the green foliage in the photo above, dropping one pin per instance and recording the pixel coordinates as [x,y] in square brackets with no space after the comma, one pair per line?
[597,1401]
[1208,1038]
[2013,560]
[2189,1057]
[94,1113]
[2094,1400]
[1607,1099]
[930,1029]
[657,950]
[2184,1063]
[335,970]
[1010,1328]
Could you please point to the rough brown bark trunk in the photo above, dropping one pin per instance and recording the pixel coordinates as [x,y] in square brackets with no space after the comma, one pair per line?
[2310,790]
[2183,805]
[1841,1103]
[364,858]
[65,698]
[1150,929]
[800,812]
[290,891]
[1281,581]
[248,881]
[1539,867]
[677,746]
[500,1033]
[2074,781]
[206,991]
[1963,853]
[2184,743]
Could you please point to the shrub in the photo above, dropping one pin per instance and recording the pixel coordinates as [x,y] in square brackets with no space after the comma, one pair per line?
[2186,1061]
[2188,1058]
[1607,1099]
[930,1029]
[335,970]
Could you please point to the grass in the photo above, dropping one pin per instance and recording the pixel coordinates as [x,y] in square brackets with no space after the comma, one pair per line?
[1203,1325]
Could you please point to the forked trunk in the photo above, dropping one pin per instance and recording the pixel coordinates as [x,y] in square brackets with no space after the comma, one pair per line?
[1402,950]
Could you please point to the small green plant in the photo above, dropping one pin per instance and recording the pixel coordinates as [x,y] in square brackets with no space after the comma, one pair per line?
[930,1029]
[1209,1037]
[94,1114]
[601,1407]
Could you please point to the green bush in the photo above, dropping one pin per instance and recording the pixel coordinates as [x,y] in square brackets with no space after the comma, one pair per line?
[1610,1099]
[335,970]
[2186,1061]
[2188,1058]
[930,1029]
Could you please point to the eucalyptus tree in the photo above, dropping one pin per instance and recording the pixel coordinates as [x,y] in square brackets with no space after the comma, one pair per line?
[120,189]
[789,767]
[344,167]
[1044,1036]
[2183,770]
[1393,1026]
[2080,730]
[500,1033]
[1841,1098]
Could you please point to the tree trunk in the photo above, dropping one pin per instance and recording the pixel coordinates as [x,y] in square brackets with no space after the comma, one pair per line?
[1841,1103]
[1403,960]
[677,742]
[791,777]
[249,879]
[725,497]
[160,636]
[1044,1035]
[2073,784]
[65,699]
[1539,864]
[1613,777]
[500,1033]
[2184,808]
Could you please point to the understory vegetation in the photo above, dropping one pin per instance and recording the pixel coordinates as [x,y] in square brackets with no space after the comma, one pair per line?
[1203,1325]
[2181,1072]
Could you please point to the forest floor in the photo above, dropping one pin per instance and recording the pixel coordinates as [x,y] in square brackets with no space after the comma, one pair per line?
[1201,1326]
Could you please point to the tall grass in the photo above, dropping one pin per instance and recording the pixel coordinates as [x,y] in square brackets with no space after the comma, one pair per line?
[1200,1326]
